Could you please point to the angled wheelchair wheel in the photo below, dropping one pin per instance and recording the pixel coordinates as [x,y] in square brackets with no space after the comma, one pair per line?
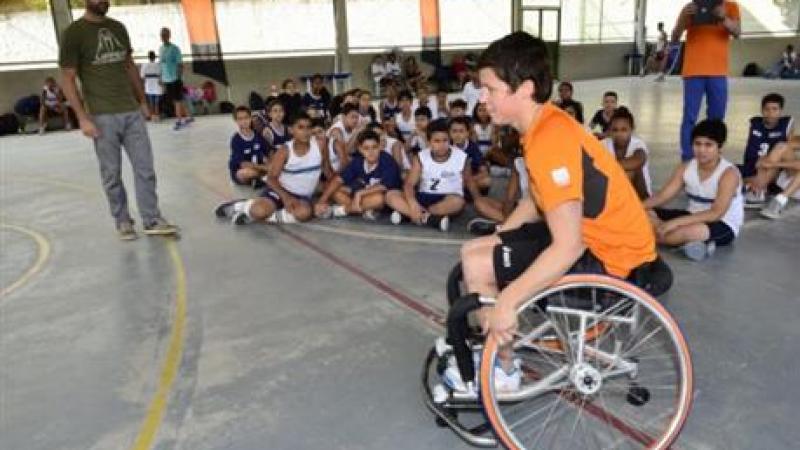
[603,365]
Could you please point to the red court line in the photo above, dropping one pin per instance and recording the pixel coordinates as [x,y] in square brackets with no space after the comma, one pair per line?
[436,317]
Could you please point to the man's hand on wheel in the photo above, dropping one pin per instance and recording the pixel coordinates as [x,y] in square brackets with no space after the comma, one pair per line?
[500,323]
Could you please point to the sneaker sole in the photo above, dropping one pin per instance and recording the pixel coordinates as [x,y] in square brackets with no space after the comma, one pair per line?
[754,205]
[160,232]
[769,215]
[128,237]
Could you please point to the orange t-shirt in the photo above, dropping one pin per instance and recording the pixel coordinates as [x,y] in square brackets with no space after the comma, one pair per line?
[706,50]
[565,162]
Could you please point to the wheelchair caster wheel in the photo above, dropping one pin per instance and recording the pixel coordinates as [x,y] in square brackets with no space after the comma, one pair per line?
[638,395]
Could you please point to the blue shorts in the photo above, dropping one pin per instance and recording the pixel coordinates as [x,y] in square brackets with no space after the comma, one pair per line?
[426,199]
[270,194]
[153,99]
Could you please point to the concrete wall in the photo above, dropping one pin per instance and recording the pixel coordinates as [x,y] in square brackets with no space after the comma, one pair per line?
[577,62]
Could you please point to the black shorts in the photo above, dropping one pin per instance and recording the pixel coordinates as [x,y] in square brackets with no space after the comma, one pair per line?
[270,194]
[718,231]
[520,248]
[174,91]
[426,199]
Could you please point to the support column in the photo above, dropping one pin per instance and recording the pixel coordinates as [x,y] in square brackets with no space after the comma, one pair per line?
[640,33]
[62,16]
[516,15]
[341,62]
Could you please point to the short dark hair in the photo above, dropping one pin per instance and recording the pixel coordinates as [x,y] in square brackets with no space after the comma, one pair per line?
[374,125]
[660,25]
[151,55]
[437,126]
[611,94]
[347,108]
[367,135]
[318,122]
[241,108]
[285,82]
[713,129]
[519,57]
[623,113]
[317,76]
[297,117]
[567,84]
[773,98]
[405,94]
[460,120]
[423,111]
[458,103]
[272,103]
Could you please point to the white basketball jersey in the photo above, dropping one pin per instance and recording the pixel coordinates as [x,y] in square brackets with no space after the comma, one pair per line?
[634,145]
[300,174]
[703,193]
[442,177]
[390,141]
[484,135]
[405,127]
[332,155]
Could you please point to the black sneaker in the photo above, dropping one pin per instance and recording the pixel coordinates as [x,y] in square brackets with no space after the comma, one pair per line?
[224,210]
[481,227]
[439,222]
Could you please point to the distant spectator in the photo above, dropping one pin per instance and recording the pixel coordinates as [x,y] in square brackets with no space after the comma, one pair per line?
[412,73]
[565,91]
[459,68]
[471,92]
[291,99]
[393,70]
[318,100]
[171,61]
[52,103]
[153,89]
[378,72]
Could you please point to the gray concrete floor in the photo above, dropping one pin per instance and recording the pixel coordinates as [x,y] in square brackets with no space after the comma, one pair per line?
[286,345]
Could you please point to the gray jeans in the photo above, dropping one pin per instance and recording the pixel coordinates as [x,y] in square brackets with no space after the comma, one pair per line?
[126,130]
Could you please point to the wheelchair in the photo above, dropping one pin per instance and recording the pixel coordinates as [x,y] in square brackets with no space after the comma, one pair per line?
[603,365]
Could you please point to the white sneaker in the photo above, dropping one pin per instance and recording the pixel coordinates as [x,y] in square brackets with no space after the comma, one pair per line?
[508,382]
[775,208]
[699,250]
[370,215]
[338,211]
[396,218]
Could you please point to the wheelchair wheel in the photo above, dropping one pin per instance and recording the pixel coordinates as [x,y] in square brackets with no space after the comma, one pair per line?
[603,365]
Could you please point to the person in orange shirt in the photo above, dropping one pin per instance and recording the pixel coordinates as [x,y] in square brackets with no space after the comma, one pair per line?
[583,214]
[709,25]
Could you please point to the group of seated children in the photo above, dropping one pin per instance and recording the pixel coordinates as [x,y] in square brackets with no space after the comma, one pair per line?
[426,159]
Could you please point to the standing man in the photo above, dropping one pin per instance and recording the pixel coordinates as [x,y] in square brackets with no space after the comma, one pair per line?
[97,50]
[709,25]
[171,75]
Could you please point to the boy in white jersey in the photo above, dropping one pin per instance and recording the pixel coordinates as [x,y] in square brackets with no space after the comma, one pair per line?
[629,150]
[405,118]
[293,177]
[341,140]
[434,187]
[419,138]
[714,187]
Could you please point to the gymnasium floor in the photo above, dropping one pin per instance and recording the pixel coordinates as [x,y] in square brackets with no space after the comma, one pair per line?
[310,336]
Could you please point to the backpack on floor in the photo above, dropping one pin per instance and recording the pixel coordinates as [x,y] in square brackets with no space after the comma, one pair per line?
[9,124]
[225,107]
[752,70]
[28,106]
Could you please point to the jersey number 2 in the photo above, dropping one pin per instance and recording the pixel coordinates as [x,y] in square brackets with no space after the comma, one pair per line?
[435,183]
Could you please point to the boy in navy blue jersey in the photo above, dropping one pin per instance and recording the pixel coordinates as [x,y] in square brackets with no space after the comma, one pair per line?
[766,132]
[459,137]
[248,151]
[317,101]
[434,187]
[362,186]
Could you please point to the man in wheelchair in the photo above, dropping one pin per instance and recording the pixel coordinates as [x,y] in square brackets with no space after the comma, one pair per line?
[583,214]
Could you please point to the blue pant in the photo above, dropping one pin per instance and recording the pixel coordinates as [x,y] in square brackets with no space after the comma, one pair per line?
[715,90]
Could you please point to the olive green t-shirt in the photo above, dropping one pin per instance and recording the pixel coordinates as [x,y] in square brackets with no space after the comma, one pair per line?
[98,51]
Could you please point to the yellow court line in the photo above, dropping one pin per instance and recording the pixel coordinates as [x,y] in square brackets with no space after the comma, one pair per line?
[43,254]
[169,370]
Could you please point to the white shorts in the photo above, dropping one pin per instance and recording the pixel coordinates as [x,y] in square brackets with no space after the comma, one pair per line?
[783,182]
